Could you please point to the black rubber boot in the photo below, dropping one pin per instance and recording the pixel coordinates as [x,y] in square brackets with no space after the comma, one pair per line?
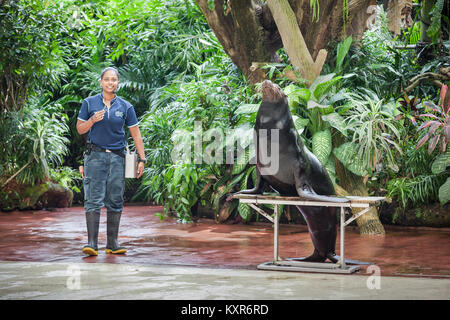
[92,222]
[112,232]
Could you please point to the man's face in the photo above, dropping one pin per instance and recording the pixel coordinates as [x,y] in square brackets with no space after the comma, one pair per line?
[109,82]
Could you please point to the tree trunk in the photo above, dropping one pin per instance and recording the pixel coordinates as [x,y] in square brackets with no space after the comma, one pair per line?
[369,223]
[248,32]
[331,24]
[237,26]
[399,15]
[13,91]
[425,20]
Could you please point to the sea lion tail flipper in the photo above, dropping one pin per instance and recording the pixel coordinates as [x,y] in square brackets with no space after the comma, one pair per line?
[306,193]
[248,191]
[305,189]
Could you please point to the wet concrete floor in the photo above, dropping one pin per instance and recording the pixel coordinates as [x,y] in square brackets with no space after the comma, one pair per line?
[110,281]
[58,236]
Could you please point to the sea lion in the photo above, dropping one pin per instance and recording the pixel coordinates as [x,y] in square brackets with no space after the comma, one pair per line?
[299,172]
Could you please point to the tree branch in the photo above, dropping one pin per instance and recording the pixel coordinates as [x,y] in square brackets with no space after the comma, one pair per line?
[293,41]
[435,78]
[15,174]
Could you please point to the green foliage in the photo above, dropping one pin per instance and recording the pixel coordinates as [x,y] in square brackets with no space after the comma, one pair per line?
[315,110]
[373,127]
[37,140]
[441,163]
[244,209]
[378,65]
[414,184]
[439,123]
[342,50]
[183,188]
[211,97]
[414,33]
[439,131]
[158,129]
[247,108]
[30,54]
[434,30]
[444,192]
[321,142]
[174,71]
[347,153]
[439,167]
[415,191]
[66,177]
[315,8]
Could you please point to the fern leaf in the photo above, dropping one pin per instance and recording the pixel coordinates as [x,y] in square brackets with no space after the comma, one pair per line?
[444,192]
[347,153]
[441,163]
[321,145]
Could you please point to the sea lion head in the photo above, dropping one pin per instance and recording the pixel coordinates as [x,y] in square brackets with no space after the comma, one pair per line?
[271,92]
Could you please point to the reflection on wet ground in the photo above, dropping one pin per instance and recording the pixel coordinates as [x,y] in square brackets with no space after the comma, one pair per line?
[59,236]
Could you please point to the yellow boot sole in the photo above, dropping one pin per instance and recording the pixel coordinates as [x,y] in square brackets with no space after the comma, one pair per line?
[118,251]
[90,251]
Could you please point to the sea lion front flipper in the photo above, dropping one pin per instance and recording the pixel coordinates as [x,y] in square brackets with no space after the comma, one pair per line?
[259,186]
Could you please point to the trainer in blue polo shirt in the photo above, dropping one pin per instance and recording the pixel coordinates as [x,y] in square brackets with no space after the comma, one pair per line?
[108,133]
[104,117]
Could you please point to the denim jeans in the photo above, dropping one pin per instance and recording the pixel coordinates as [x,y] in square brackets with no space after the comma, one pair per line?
[104,181]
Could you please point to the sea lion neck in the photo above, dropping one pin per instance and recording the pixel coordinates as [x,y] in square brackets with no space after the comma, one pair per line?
[273,115]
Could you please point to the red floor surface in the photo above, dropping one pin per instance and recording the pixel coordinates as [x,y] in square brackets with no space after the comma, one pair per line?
[60,235]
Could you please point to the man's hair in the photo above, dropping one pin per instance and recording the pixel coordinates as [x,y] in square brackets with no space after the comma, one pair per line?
[108,69]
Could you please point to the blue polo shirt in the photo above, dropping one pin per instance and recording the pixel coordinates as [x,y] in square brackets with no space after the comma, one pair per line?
[108,133]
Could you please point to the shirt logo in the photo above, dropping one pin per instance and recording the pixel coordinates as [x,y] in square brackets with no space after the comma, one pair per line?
[119,114]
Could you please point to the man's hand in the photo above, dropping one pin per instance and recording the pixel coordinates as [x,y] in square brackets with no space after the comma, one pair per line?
[140,169]
[98,116]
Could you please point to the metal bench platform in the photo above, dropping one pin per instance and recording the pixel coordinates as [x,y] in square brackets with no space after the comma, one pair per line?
[291,265]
